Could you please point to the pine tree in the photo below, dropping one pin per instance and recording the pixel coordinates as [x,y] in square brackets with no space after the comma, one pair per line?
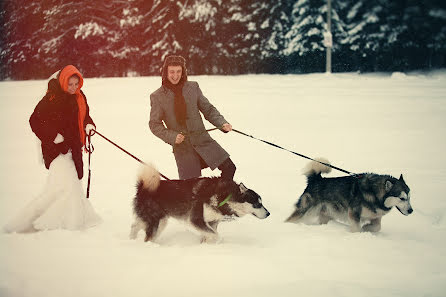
[365,33]
[436,13]
[4,71]
[161,31]
[22,21]
[304,39]
[84,31]
[118,38]
[272,22]
[238,36]
[126,45]
[423,33]
[200,41]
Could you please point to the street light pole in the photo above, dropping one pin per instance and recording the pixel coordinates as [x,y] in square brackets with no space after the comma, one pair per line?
[328,43]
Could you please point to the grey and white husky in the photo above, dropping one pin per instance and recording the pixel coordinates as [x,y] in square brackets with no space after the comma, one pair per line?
[359,200]
[202,202]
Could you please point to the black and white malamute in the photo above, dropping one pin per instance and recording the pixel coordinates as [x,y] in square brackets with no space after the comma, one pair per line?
[359,200]
[202,202]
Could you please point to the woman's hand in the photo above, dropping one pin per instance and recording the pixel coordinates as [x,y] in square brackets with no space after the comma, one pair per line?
[59,138]
[89,128]
[179,139]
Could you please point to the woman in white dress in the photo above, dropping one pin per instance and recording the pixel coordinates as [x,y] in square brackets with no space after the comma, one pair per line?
[61,121]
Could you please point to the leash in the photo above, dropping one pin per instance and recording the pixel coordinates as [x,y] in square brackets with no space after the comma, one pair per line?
[131,155]
[300,155]
[90,150]
[279,147]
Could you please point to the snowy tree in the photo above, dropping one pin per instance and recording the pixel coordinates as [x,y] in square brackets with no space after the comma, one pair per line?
[161,30]
[366,32]
[128,40]
[423,32]
[238,36]
[209,33]
[251,34]
[50,34]
[22,22]
[437,41]
[230,33]
[202,43]
[270,22]
[306,33]
[84,33]
[118,38]
[4,71]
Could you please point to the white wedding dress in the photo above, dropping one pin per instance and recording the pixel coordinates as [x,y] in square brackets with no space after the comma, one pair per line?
[62,204]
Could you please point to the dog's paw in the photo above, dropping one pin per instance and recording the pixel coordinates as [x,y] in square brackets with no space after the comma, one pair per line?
[134,232]
[355,228]
[211,238]
[371,228]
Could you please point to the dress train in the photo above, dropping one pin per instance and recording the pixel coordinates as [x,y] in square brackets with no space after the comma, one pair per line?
[61,205]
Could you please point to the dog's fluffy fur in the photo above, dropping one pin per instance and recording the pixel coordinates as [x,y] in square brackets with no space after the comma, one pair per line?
[359,200]
[196,201]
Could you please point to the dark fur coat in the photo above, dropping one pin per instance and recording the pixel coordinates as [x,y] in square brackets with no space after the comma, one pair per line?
[59,115]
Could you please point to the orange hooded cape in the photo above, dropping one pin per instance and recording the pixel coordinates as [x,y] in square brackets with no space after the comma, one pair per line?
[64,76]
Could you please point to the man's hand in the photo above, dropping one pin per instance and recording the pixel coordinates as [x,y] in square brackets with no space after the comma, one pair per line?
[226,127]
[179,139]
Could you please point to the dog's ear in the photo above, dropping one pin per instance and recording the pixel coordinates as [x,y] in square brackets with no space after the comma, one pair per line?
[388,185]
[401,177]
[242,187]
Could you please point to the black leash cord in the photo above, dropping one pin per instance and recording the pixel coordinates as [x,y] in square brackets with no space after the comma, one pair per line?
[131,155]
[89,147]
[90,150]
[300,155]
[277,146]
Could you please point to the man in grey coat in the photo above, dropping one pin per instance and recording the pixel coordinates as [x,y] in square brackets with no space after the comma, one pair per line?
[175,118]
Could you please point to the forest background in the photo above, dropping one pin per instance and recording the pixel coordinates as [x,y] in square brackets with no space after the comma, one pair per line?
[225,37]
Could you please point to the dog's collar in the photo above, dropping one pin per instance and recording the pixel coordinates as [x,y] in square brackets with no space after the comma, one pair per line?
[224,201]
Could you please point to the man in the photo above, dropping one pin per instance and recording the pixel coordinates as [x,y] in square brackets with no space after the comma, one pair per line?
[175,118]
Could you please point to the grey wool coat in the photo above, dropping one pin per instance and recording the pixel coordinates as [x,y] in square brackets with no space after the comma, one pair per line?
[164,125]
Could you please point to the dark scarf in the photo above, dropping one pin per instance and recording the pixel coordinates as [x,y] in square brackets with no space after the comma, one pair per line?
[180,103]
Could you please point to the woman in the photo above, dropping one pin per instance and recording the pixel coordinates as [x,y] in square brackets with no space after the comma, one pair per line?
[61,121]
[175,118]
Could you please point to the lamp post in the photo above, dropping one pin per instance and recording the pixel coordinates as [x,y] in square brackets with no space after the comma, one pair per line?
[328,40]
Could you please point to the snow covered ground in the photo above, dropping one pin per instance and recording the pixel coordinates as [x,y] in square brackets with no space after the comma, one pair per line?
[382,123]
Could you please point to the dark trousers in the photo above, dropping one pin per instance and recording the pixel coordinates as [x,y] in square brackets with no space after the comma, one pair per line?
[227,169]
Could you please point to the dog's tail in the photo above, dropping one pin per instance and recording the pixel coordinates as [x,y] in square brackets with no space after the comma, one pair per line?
[149,177]
[315,168]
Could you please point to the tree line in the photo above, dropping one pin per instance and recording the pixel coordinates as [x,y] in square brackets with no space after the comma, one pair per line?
[124,38]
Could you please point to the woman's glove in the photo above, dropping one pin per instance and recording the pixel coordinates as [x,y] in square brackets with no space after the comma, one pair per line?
[89,128]
[59,138]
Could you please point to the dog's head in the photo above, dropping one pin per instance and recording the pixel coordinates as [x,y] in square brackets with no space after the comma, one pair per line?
[245,201]
[398,195]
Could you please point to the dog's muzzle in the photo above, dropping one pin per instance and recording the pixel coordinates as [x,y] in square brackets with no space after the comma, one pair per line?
[261,213]
[408,212]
